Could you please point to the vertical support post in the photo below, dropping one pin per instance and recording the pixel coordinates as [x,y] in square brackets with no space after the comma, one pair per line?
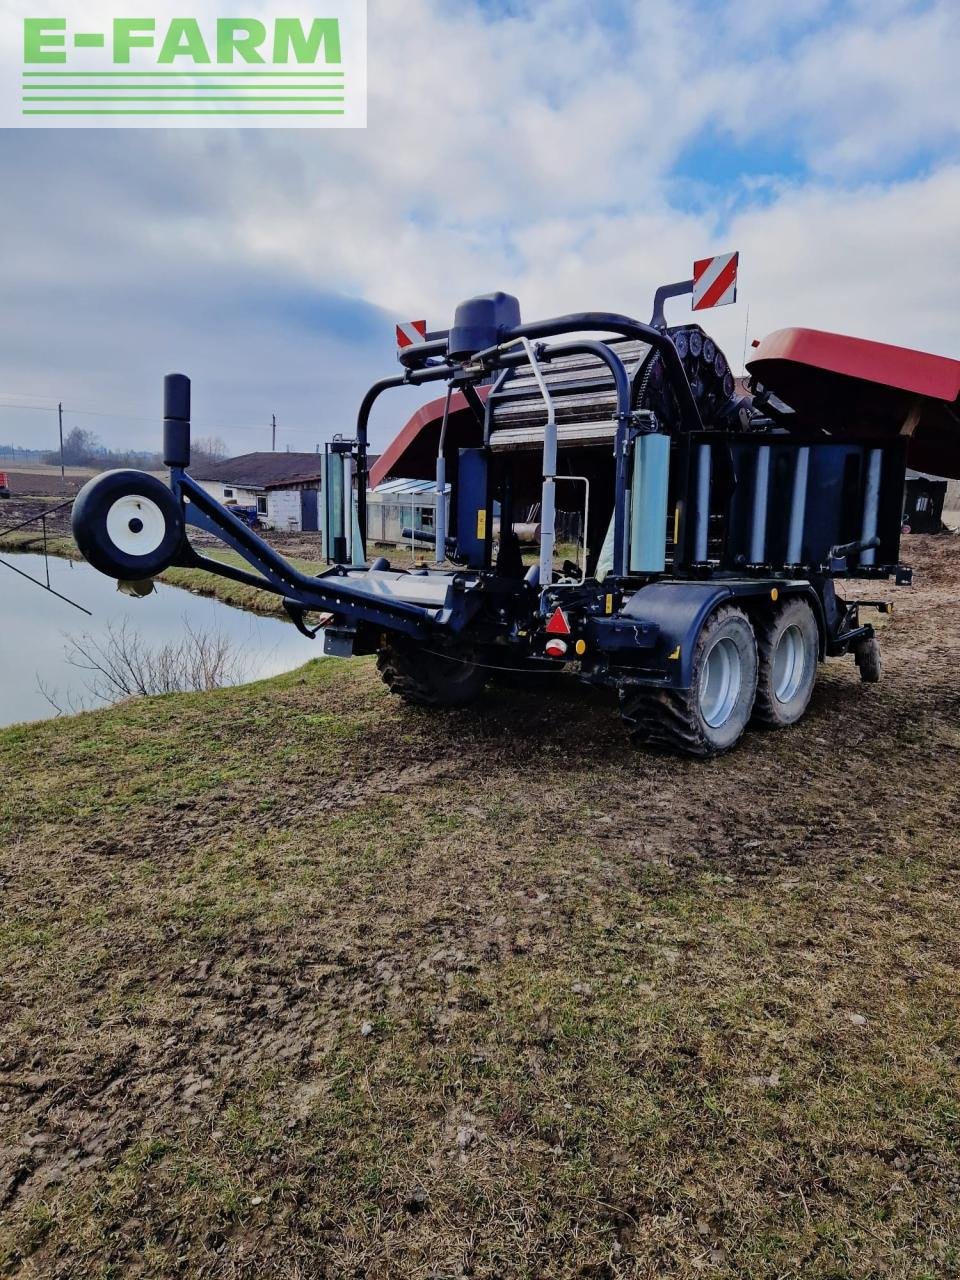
[335,506]
[440,513]
[63,470]
[702,535]
[347,507]
[548,497]
[360,551]
[324,497]
[871,506]
[798,507]
[623,500]
[761,489]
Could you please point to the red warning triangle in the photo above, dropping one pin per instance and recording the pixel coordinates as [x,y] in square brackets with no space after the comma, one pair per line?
[558,625]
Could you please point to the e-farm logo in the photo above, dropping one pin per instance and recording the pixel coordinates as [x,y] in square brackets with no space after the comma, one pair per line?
[99,69]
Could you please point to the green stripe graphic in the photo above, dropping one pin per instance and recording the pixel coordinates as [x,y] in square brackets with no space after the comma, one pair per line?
[179,88]
[180,74]
[173,111]
[248,89]
[187,98]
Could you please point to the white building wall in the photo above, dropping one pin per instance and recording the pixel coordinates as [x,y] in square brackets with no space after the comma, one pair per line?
[242,497]
[283,509]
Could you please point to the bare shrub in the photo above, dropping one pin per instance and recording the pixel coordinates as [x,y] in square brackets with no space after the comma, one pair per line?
[121,665]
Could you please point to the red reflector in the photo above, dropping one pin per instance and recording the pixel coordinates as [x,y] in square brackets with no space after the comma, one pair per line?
[558,624]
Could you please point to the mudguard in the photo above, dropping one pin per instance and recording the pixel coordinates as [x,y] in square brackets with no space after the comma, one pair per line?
[678,610]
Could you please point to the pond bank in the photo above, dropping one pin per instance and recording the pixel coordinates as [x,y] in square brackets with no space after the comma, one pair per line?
[197,581]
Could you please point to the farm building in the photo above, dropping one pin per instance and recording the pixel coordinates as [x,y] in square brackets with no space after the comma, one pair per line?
[282,488]
[396,505]
[929,502]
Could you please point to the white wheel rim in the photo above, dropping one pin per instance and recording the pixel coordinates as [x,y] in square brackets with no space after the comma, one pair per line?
[789,664]
[720,682]
[136,525]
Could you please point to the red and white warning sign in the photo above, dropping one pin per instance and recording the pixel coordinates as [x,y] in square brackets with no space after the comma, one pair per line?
[715,281]
[408,335]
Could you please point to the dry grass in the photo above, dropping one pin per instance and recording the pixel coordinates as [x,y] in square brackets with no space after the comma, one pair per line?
[299,982]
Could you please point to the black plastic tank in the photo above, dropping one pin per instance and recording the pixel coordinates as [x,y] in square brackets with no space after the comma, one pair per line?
[481,323]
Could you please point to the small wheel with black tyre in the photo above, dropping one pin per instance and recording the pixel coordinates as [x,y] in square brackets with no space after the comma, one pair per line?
[867,657]
[430,679]
[128,524]
[711,716]
[788,650]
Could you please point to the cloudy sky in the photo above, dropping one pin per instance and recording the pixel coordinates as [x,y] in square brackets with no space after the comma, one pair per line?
[574,154]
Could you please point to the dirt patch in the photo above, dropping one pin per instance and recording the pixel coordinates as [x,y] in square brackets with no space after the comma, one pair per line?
[297,981]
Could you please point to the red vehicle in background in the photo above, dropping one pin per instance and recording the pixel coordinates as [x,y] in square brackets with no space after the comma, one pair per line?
[4,485]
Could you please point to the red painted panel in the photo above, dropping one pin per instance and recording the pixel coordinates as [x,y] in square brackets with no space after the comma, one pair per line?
[889,366]
[411,455]
[862,389]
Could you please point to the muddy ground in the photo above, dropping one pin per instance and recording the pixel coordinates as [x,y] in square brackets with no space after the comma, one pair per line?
[296,981]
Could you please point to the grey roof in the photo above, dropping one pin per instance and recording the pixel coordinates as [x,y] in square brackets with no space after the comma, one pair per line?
[262,470]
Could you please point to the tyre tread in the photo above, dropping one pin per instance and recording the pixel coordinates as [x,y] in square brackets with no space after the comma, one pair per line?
[764,708]
[667,719]
[410,675]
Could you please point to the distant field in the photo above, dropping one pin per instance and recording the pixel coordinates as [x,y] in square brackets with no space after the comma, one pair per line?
[37,475]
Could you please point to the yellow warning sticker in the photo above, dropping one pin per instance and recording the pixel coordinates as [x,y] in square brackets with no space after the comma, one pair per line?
[608,604]
[481,524]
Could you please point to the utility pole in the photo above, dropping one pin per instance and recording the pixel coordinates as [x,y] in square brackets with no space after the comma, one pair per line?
[273,446]
[63,473]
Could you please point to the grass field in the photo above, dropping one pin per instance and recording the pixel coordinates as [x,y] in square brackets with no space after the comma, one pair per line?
[299,982]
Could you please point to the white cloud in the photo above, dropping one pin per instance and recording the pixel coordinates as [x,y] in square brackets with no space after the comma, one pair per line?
[531,153]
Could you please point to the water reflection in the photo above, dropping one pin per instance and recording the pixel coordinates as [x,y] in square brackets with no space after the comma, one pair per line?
[35,628]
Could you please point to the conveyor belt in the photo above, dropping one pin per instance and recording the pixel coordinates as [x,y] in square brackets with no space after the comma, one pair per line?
[584,399]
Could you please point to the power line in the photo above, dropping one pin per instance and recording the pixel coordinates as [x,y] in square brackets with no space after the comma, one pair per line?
[129,417]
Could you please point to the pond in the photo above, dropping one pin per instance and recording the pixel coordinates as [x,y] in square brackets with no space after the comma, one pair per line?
[36,630]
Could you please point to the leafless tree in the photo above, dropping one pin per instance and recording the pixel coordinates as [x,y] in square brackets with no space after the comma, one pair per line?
[208,449]
[121,665]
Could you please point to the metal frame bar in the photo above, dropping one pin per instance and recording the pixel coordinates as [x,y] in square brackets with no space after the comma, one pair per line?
[330,591]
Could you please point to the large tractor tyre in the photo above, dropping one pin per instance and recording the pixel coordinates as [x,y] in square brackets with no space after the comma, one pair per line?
[128,524]
[867,657]
[430,678]
[709,717]
[788,651]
